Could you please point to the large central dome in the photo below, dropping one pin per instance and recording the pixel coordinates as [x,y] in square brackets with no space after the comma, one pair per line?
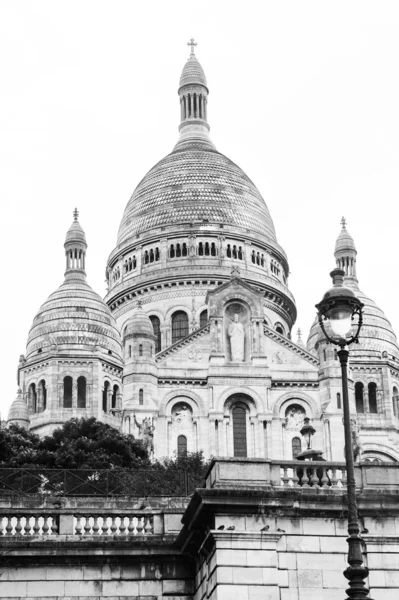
[196,184]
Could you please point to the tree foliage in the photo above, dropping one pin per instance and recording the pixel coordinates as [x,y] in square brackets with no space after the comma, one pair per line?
[78,444]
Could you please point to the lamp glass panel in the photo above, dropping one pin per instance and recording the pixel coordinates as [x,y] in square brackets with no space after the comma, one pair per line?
[340,319]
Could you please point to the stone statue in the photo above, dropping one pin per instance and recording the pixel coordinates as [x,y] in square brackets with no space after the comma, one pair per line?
[146,433]
[237,337]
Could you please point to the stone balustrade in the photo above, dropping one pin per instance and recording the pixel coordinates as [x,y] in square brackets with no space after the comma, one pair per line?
[28,525]
[135,524]
[277,474]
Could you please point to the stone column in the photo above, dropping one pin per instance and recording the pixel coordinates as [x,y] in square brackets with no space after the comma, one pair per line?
[74,394]
[39,399]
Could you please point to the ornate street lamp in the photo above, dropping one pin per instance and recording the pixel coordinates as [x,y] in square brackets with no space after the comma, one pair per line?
[340,318]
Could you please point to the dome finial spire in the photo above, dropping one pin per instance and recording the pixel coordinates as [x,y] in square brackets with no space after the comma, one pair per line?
[192,44]
[343,223]
[75,214]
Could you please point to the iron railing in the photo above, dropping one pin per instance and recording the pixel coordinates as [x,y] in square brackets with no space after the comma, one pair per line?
[98,482]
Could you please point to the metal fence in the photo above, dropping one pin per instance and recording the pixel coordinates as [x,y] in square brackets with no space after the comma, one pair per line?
[98,482]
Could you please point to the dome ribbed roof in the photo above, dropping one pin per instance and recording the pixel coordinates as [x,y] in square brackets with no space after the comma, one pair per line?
[193,73]
[345,242]
[196,184]
[75,233]
[74,316]
[376,334]
[139,323]
[19,411]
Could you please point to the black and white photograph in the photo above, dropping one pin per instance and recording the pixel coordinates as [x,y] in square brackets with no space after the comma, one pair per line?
[200,383]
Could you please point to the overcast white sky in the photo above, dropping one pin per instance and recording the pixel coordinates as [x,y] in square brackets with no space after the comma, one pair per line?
[304,96]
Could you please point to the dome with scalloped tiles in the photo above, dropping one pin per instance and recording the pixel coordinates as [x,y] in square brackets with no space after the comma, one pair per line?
[196,184]
[193,73]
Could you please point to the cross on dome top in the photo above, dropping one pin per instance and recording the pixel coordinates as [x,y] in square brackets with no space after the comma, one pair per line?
[343,223]
[192,44]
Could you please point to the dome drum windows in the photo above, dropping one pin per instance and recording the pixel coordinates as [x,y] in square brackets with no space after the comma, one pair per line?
[151,255]
[178,250]
[234,251]
[180,328]
[156,325]
[366,398]
[395,401]
[74,393]
[130,264]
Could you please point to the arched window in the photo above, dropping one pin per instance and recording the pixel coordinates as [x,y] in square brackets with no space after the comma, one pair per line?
[178,250]
[32,398]
[324,355]
[105,396]
[184,249]
[152,255]
[67,392]
[359,397]
[279,328]
[181,446]
[228,252]
[296,447]
[43,394]
[172,251]
[240,431]
[82,392]
[141,397]
[156,325]
[140,349]
[338,400]
[200,249]
[240,252]
[203,318]
[373,397]
[130,351]
[115,392]
[253,256]
[207,249]
[213,249]
[179,326]
[146,257]
[395,401]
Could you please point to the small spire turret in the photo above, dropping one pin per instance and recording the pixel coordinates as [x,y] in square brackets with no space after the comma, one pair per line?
[345,253]
[193,92]
[75,249]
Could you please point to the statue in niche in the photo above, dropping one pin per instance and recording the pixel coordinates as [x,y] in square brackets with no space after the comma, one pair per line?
[181,415]
[294,418]
[146,433]
[237,338]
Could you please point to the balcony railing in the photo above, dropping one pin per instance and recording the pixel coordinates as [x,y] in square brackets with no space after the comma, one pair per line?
[101,482]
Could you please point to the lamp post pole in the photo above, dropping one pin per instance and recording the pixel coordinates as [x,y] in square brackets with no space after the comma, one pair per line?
[338,307]
[356,572]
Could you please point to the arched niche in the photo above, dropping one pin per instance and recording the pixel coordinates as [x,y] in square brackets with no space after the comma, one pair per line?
[239,427]
[181,425]
[237,328]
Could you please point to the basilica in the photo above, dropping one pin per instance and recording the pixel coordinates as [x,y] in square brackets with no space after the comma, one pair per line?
[191,349]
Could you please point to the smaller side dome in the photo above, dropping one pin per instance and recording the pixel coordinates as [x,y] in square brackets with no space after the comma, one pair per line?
[19,412]
[75,233]
[344,241]
[139,323]
[193,73]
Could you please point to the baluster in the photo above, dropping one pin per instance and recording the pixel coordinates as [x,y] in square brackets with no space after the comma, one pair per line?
[114,527]
[285,479]
[2,530]
[295,478]
[54,525]
[18,526]
[343,477]
[106,524]
[324,481]
[78,526]
[87,526]
[122,526]
[140,525]
[9,526]
[130,527]
[36,526]
[314,478]
[96,526]
[45,528]
[305,476]
[149,527]
[334,477]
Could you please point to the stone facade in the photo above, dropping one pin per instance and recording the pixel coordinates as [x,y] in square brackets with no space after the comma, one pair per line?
[191,348]
[253,532]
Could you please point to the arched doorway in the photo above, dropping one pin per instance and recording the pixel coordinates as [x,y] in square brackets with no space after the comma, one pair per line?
[239,414]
